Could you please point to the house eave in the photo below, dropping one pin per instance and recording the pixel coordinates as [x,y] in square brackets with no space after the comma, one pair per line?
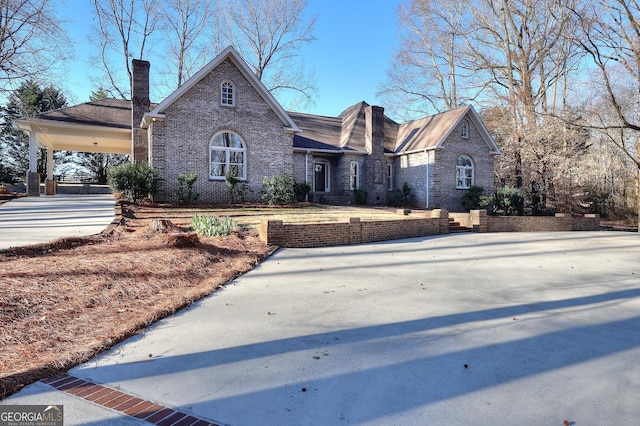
[149,118]
[29,124]
[328,151]
[417,151]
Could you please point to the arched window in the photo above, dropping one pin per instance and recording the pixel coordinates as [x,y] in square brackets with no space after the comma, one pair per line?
[464,172]
[464,129]
[227,93]
[228,153]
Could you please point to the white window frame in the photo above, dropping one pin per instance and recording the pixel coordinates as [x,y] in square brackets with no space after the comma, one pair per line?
[464,129]
[230,153]
[354,172]
[227,93]
[390,170]
[465,174]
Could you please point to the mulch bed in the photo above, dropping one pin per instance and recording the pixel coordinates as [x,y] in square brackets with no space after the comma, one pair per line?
[64,302]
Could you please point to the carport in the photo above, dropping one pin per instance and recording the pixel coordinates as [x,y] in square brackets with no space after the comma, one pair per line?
[102,126]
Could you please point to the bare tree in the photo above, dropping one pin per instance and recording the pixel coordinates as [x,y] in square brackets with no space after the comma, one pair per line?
[269,35]
[610,35]
[32,41]
[519,49]
[426,74]
[188,46]
[123,31]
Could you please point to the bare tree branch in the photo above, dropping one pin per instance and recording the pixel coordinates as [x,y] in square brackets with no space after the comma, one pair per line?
[122,26]
[32,41]
[269,35]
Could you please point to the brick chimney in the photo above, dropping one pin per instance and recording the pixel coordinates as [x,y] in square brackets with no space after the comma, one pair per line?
[376,163]
[140,104]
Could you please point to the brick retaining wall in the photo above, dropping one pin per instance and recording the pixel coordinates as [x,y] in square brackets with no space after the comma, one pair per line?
[561,222]
[413,224]
[354,231]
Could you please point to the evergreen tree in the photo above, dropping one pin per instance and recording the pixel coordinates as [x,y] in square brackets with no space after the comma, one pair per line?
[95,163]
[28,100]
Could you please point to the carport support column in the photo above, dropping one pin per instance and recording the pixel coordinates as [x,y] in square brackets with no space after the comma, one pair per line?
[33,178]
[49,183]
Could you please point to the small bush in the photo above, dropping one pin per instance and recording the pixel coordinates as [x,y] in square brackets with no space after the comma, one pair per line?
[184,192]
[509,200]
[474,198]
[212,226]
[403,195]
[360,195]
[278,190]
[236,189]
[133,180]
[302,190]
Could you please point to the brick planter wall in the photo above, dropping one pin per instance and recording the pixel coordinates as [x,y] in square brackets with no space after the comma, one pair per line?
[561,222]
[413,224]
[354,231]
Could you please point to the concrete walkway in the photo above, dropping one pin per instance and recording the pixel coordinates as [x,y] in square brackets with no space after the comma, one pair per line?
[33,220]
[465,329]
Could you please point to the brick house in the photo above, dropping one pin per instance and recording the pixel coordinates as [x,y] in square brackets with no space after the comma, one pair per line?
[224,119]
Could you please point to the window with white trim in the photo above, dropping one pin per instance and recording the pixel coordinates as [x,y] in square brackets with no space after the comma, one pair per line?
[464,129]
[227,153]
[354,176]
[227,93]
[390,171]
[464,172]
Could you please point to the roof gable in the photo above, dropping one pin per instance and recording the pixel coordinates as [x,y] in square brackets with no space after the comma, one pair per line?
[347,131]
[231,54]
[431,132]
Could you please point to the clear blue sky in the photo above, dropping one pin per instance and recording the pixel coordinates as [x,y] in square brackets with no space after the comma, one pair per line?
[353,49]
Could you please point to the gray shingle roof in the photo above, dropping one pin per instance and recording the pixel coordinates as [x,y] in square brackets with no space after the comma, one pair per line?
[103,112]
[317,131]
[427,132]
[347,131]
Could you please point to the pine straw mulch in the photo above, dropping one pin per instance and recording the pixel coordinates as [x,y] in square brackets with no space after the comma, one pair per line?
[64,302]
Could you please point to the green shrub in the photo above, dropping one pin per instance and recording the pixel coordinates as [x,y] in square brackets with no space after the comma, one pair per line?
[403,195]
[236,189]
[509,200]
[278,190]
[474,198]
[360,195]
[184,192]
[301,189]
[133,180]
[212,226]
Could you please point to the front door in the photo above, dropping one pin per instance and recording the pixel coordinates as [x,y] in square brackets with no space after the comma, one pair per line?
[320,177]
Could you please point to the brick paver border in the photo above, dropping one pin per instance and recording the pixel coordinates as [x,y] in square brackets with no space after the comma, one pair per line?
[122,402]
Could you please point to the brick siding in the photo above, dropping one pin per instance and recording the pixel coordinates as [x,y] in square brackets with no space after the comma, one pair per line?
[443,194]
[180,142]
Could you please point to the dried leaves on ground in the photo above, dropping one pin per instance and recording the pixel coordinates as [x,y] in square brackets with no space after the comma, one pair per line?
[62,303]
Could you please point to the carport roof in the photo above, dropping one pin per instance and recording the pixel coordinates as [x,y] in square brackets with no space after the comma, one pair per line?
[98,126]
[103,112]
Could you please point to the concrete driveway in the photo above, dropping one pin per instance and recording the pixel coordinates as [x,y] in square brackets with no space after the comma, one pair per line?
[33,220]
[465,329]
